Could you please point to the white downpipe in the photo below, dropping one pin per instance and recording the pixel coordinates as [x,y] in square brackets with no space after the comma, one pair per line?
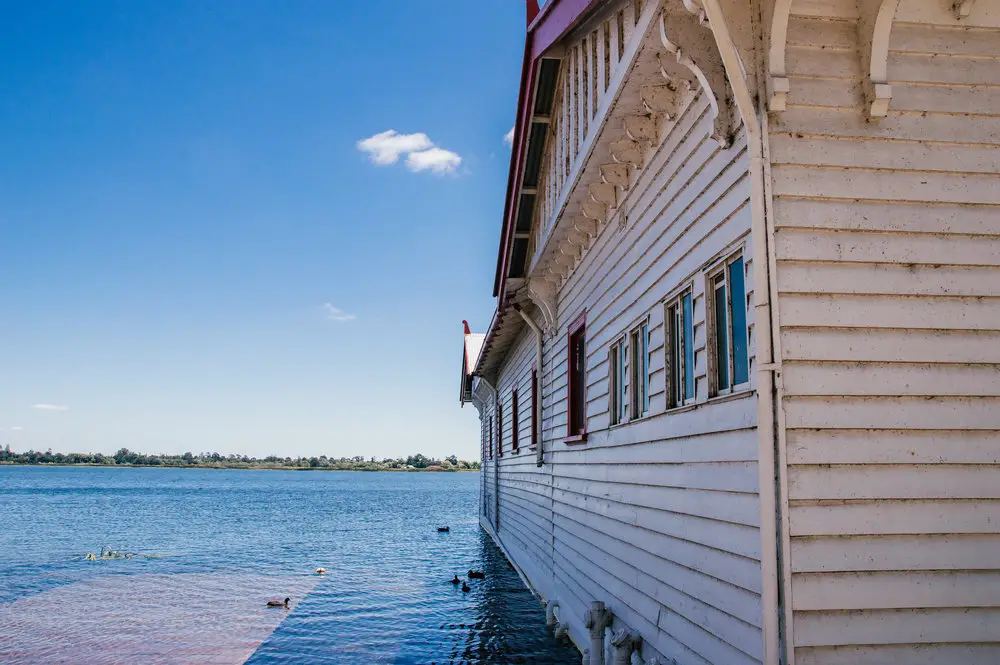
[598,618]
[539,459]
[765,320]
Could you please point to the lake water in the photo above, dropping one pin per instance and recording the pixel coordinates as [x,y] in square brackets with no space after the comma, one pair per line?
[212,546]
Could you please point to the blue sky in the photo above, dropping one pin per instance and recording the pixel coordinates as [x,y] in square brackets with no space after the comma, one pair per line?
[196,253]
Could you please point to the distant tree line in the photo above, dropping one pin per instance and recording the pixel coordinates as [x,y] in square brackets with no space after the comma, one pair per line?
[126,457]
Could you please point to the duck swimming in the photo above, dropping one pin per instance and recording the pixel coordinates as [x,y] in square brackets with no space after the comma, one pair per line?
[278,603]
[476,575]
[444,529]
[456,580]
[466,587]
[320,571]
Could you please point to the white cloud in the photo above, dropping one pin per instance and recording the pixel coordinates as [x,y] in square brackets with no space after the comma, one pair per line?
[50,407]
[336,314]
[508,138]
[422,154]
[385,148]
[436,160]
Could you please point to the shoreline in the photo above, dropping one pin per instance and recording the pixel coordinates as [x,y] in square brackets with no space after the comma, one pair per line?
[234,468]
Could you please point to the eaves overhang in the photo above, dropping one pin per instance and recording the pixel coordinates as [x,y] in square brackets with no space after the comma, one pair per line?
[539,75]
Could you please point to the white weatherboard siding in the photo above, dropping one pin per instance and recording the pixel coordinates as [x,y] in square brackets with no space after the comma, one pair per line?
[888,269]
[658,517]
[883,272]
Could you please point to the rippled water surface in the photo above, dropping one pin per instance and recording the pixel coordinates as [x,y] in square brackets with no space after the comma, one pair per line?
[210,547]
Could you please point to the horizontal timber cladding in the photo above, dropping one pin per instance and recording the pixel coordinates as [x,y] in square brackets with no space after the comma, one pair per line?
[657,516]
[888,271]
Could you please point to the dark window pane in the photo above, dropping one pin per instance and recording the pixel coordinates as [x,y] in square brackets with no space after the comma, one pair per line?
[513,421]
[577,343]
[737,289]
[721,339]
[688,347]
[645,369]
[622,403]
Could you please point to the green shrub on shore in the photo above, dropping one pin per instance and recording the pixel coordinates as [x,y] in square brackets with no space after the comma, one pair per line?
[126,457]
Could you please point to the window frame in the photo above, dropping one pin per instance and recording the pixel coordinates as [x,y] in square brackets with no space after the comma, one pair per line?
[720,274]
[490,438]
[499,425]
[638,357]
[576,431]
[618,384]
[675,344]
[514,443]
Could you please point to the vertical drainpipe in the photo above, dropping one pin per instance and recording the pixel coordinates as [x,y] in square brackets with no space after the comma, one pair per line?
[770,423]
[598,618]
[539,459]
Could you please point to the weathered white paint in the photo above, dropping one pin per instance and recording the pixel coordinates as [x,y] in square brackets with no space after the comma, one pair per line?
[658,518]
[866,208]
[888,267]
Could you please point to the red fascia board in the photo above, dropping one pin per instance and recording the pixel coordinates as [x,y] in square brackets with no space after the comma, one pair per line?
[524,102]
[550,24]
[555,20]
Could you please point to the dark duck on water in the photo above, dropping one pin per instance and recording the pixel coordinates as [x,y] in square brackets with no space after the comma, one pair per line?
[278,603]
[456,580]
[477,575]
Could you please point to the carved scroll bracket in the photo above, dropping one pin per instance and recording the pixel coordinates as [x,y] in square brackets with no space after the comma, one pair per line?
[543,294]
[875,26]
[694,49]
[777,79]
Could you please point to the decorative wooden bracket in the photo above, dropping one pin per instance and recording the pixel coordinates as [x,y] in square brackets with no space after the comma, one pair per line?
[626,152]
[641,128]
[543,294]
[594,210]
[603,192]
[777,79]
[875,26]
[963,8]
[615,174]
[695,8]
[694,49]
[659,100]
[588,226]
[581,240]
[567,256]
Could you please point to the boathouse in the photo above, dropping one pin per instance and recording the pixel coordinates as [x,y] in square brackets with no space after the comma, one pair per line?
[740,398]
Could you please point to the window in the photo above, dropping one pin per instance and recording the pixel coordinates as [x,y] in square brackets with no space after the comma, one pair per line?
[640,371]
[534,407]
[499,427]
[729,357]
[491,437]
[576,422]
[616,383]
[680,351]
[513,420]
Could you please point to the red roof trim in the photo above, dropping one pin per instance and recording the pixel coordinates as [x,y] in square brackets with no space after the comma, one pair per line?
[558,17]
[545,28]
